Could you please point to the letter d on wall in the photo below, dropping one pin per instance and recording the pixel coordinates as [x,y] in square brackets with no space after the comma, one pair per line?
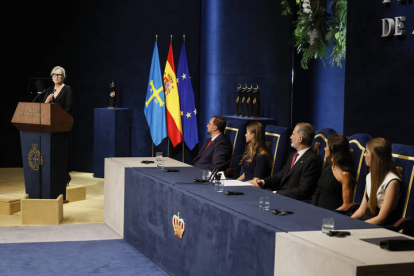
[387,27]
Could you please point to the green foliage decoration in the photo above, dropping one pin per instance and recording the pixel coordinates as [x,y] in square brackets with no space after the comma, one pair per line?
[316,31]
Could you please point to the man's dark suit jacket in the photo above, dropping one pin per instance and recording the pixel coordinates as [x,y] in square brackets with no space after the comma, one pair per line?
[300,181]
[217,152]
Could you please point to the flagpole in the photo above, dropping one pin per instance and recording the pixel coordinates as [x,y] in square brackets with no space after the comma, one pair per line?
[152,150]
[169,138]
[183,140]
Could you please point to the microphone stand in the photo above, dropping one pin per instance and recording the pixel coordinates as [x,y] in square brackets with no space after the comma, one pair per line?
[216,170]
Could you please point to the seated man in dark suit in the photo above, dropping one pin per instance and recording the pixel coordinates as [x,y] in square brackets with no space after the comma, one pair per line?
[216,149]
[299,176]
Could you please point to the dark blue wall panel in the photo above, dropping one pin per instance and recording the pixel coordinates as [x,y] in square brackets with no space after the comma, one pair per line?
[379,81]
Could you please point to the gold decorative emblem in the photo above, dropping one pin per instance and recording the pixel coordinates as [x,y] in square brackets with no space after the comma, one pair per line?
[179,225]
[237,100]
[35,158]
[112,94]
[243,100]
[248,100]
[254,101]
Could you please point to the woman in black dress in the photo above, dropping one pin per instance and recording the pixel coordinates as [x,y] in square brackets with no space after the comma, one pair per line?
[256,163]
[334,191]
[61,94]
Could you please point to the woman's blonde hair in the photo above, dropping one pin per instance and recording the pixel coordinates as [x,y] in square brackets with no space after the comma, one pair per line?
[257,145]
[61,68]
[381,164]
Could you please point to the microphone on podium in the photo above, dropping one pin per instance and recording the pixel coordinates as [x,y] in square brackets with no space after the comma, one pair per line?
[38,94]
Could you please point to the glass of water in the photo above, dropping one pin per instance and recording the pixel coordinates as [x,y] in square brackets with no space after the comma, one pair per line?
[328,224]
[266,205]
[218,186]
[158,156]
[206,174]
[261,202]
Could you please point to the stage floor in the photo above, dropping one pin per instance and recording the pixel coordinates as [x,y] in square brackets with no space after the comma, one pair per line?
[86,211]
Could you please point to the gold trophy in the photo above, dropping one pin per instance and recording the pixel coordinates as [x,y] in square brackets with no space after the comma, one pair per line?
[112,95]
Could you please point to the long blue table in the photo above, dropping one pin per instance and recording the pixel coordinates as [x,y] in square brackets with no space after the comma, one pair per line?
[224,235]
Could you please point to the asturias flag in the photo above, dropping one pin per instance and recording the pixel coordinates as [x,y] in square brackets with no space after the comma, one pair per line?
[189,112]
[172,100]
[154,103]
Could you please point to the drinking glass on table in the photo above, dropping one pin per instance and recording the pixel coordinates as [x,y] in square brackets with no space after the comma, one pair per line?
[160,161]
[205,174]
[266,205]
[328,224]
[158,156]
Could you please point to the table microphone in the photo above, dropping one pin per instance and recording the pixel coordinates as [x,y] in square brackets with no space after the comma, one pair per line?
[216,168]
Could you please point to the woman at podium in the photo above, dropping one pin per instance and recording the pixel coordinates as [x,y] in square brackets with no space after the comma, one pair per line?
[61,94]
[256,163]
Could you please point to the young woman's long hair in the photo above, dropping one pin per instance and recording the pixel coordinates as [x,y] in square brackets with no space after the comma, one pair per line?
[340,153]
[381,164]
[257,144]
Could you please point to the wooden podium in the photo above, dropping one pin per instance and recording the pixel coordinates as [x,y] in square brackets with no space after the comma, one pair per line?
[44,134]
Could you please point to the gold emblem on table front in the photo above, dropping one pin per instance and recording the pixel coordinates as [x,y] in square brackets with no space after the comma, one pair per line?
[179,225]
[35,158]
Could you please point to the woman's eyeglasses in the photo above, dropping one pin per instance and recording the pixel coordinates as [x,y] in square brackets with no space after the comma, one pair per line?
[57,75]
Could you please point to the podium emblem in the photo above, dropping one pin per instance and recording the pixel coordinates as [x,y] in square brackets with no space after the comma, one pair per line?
[35,158]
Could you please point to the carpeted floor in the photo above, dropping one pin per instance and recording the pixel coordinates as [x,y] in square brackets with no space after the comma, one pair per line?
[108,257]
[81,245]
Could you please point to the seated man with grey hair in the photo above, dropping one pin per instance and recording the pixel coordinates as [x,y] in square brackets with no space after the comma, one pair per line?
[299,176]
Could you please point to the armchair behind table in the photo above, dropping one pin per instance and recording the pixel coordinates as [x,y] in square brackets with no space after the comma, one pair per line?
[277,139]
[235,131]
[357,143]
[403,157]
[319,142]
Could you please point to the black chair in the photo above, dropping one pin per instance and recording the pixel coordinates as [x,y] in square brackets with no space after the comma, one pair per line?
[403,157]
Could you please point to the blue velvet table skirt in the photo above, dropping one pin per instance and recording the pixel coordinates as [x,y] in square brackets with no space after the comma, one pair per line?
[224,235]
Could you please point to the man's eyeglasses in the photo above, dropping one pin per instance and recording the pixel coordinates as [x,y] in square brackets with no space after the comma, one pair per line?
[57,75]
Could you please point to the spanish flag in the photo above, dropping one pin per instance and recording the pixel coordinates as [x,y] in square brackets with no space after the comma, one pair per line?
[172,101]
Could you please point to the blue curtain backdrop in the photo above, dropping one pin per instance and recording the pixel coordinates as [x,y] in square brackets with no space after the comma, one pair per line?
[246,42]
